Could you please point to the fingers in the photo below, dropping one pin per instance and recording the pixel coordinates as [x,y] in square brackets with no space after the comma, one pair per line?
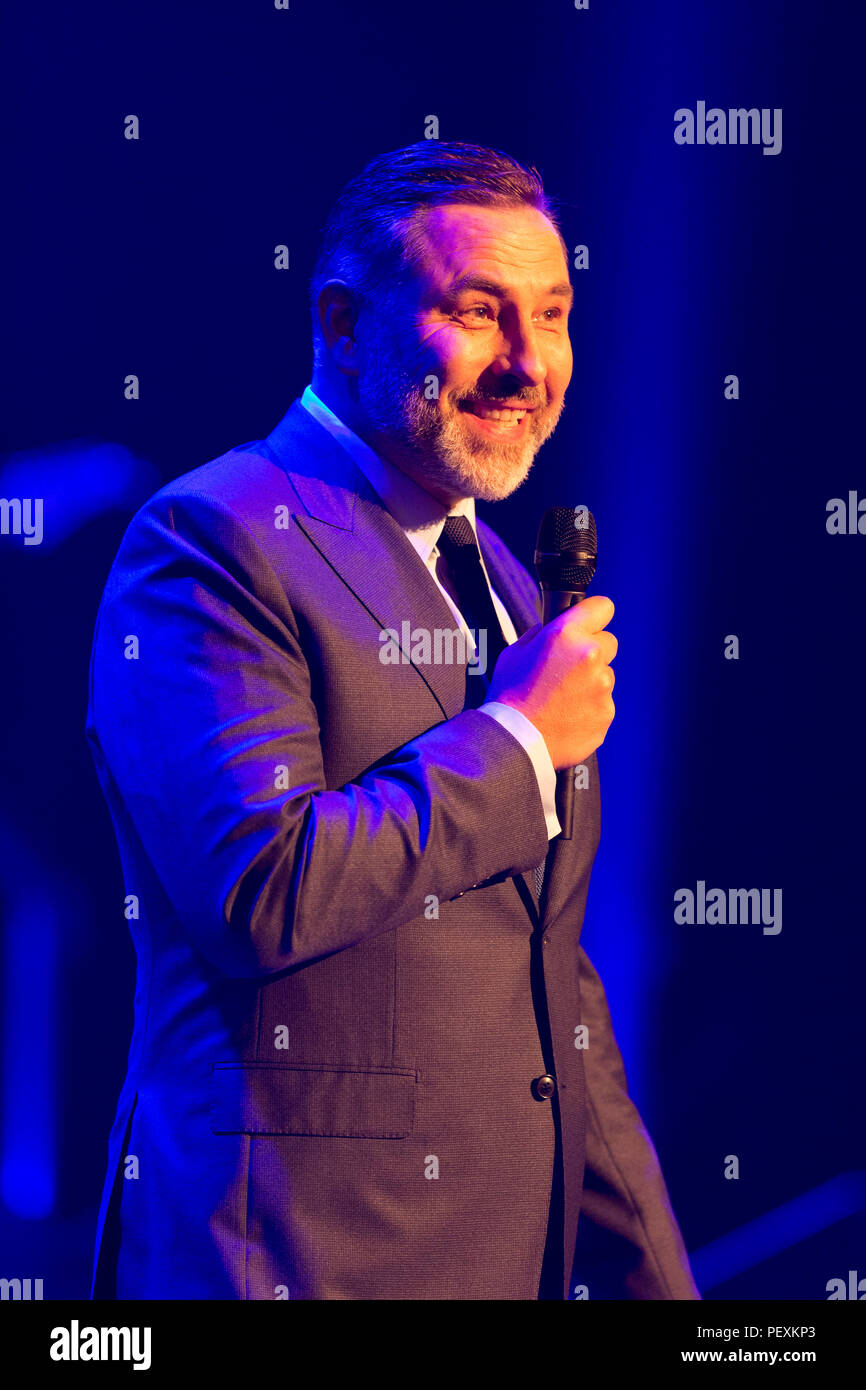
[591,615]
[608,646]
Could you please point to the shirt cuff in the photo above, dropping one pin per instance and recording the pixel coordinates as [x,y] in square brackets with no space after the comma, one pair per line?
[526,734]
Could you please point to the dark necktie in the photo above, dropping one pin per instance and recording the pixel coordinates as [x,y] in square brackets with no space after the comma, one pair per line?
[459,547]
[472,594]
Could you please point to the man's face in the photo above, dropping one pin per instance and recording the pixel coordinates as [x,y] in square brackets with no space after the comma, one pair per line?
[485,317]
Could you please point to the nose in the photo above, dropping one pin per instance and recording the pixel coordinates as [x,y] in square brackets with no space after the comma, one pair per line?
[519,355]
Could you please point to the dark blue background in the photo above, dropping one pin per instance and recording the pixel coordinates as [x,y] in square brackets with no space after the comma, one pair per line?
[155,257]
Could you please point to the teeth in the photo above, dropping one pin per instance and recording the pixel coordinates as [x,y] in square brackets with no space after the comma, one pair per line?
[508,417]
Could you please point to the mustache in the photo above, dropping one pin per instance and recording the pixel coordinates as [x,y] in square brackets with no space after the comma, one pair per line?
[514,398]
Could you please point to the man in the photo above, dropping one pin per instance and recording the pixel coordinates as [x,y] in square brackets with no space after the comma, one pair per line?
[369,1059]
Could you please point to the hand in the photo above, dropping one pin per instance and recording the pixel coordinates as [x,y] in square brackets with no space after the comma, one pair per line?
[559,676]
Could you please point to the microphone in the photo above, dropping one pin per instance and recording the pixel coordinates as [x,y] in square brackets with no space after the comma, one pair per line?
[565,557]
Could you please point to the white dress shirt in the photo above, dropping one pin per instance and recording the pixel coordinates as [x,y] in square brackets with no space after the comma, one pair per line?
[422,517]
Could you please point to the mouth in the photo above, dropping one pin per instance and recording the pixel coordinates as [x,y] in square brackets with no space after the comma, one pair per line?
[498,419]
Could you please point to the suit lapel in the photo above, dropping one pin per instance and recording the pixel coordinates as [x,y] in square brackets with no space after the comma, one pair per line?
[347,523]
[521,610]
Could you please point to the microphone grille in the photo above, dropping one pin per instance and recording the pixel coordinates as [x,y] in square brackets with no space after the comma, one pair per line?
[567,548]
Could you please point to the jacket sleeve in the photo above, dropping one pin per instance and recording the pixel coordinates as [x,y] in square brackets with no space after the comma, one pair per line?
[628,1242]
[200,690]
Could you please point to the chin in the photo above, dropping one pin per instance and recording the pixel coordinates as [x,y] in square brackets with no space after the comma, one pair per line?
[490,470]
[493,478]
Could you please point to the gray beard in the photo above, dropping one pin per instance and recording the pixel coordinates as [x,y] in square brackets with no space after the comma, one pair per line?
[427,445]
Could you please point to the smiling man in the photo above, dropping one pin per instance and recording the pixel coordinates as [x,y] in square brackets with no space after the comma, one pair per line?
[480,311]
[371,1059]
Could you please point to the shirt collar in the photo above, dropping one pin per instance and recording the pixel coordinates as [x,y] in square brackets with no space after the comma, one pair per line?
[420,515]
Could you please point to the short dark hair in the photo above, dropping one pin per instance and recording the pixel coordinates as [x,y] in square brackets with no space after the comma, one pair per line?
[367,239]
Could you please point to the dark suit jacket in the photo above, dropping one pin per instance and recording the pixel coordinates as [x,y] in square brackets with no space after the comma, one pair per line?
[330,1085]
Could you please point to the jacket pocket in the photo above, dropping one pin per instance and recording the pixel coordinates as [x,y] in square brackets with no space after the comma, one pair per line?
[341,1102]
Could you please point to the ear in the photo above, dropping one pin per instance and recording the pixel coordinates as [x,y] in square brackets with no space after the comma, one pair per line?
[337,307]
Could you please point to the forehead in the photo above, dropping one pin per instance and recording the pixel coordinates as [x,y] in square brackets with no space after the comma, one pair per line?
[518,247]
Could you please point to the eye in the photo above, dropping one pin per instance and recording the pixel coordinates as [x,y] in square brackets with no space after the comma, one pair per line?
[480,311]
[552,314]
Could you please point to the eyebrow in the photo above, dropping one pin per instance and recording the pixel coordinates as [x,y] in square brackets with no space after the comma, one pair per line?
[562,289]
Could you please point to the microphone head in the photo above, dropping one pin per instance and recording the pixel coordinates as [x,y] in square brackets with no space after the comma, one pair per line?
[567,548]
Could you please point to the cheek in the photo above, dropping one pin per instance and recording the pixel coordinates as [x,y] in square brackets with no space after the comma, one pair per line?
[452,354]
[560,365]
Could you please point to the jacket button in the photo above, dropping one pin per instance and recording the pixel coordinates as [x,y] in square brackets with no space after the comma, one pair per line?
[544,1087]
